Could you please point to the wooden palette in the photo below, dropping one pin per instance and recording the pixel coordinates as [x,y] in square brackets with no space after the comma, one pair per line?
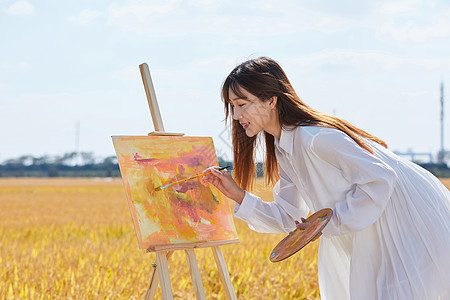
[299,238]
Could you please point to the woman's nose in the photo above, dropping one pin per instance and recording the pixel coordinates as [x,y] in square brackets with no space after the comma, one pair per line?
[236,114]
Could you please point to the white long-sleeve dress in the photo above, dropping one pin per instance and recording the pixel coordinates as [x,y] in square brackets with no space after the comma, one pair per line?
[389,237]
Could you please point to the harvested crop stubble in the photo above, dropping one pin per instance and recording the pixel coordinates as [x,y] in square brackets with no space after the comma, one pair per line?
[74,239]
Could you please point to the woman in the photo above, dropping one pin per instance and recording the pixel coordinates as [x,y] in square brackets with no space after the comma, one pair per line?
[389,237]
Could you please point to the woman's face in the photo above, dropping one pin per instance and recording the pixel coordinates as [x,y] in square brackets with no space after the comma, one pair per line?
[253,114]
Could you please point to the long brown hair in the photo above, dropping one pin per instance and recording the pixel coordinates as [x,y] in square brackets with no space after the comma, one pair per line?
[264,78]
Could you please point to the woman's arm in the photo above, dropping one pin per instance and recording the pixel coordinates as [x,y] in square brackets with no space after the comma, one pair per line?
[277,216]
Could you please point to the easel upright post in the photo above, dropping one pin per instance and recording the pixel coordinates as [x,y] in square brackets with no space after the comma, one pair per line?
[153,102]
[151,97]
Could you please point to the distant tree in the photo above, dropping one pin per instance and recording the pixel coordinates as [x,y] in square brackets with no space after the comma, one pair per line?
[88,158]
[38,161]
[66,159]
[53,172]
[110,163]
[110,160]
[26,160]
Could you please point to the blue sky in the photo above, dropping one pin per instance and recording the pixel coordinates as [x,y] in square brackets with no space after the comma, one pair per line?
[377,64]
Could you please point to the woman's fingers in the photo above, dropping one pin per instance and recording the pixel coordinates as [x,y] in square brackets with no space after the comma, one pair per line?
[222,180]
[209,177]
[214,171]
[210,169]
[221,174]
[303,225]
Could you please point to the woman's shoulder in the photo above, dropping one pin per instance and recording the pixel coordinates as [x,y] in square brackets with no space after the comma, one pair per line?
[307,134]
[312,138]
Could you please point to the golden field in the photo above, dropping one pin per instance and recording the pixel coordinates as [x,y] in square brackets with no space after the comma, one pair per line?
[74,239]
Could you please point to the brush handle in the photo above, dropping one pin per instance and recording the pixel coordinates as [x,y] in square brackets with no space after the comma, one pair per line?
[190,178]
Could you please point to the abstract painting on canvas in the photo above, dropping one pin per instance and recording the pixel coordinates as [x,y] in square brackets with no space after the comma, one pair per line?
[187,213]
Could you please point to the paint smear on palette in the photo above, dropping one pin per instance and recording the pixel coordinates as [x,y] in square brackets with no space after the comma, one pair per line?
[187,213]
[298,238]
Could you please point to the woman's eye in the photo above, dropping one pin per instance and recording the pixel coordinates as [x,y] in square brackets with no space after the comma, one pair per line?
[241,105]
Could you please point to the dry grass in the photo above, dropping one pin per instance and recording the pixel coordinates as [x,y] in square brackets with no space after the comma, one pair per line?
[74,239]
[446,182]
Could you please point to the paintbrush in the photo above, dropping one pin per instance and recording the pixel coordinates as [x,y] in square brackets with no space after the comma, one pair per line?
[187,179]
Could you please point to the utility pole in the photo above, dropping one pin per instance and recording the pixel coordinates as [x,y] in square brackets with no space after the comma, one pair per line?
[77,143]
[441,153]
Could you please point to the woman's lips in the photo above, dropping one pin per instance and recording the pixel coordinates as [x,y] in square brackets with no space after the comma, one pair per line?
[245,125]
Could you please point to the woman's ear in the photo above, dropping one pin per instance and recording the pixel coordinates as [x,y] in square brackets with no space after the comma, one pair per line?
[273,102]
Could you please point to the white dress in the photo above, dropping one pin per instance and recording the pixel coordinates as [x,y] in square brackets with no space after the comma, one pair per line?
[389,237]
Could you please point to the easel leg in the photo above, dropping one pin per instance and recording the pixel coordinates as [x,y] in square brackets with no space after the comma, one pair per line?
[154,280]
[164,278]
[153,286]
[195,274]
[223,272]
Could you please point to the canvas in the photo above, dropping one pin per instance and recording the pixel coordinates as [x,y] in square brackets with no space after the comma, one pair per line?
[187,213]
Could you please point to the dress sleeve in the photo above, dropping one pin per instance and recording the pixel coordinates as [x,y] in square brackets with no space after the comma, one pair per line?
[371,182]
[273,217]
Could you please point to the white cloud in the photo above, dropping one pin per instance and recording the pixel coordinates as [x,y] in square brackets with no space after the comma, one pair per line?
[247,18]
[412,32]
[61,97]
[23,64]
[139,13]
[215,62]
[421,93]
[130,73]
[399,7]
[14,65]
[20,8]
[369,59]
[331,23]
[329,16]
[208,5]
[86,16]
[38,99]
[351,9]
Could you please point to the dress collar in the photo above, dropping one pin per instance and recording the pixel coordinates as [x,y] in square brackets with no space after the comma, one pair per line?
[286,140]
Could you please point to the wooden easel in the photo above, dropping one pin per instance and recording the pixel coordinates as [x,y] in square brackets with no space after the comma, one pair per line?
[160,267]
